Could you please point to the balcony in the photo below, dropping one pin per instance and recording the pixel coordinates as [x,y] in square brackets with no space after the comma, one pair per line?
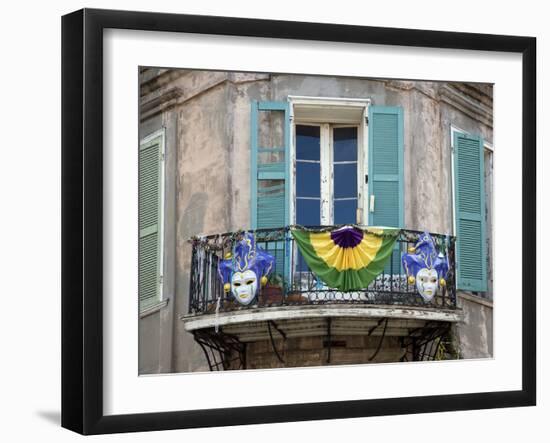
[294,302]
[292,283]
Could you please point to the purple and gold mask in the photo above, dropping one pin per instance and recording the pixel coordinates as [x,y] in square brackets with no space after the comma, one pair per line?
[243,271]
[426,267]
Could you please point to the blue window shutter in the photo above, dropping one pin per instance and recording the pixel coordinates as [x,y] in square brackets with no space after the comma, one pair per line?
[269,182]
[470,212]
[386,165]
[385,169]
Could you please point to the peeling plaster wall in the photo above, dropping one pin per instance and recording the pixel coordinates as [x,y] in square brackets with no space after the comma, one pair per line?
[210,114]
[203,201]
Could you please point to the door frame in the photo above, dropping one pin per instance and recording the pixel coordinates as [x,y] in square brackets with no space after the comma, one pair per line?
[343,112]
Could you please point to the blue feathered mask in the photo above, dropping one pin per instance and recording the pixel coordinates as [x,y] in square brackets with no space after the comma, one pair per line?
[426,266]
[244,270]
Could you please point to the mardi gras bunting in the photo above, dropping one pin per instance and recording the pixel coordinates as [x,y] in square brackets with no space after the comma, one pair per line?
[347,258]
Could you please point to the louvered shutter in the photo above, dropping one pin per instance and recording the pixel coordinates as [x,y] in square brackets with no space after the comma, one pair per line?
[385,167]
[269,168]
[470,212]
[150,183]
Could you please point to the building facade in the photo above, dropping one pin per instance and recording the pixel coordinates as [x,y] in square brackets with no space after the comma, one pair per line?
[226,152]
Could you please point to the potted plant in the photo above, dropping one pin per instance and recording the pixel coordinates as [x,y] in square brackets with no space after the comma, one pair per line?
[273,291]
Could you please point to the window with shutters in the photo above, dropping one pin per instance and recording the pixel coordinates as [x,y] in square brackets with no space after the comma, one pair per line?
[316,161]
[470,210]
[151,196]
[325,161]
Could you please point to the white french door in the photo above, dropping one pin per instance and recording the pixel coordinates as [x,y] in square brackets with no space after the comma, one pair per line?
[328,174]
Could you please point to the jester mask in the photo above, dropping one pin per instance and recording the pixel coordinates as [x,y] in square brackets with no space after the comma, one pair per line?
[244,270]
[426,267]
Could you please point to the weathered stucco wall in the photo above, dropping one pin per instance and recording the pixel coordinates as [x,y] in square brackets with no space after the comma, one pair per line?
[148,344]
[475,334]
[208,117]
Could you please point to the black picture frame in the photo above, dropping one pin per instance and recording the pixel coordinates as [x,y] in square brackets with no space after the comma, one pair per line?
[82,218]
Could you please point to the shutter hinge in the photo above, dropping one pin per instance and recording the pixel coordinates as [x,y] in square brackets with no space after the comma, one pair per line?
[367,120]
[161,279]
[162,156]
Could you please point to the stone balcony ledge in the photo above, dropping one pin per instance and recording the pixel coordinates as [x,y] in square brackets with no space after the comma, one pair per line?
[193,322]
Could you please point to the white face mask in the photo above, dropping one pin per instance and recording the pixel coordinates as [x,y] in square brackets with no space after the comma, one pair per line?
[426,283]
[244,286]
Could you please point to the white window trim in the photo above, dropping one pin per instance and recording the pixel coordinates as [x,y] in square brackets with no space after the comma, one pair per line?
[326,173]
[486,146]
[361,104]
[161,133]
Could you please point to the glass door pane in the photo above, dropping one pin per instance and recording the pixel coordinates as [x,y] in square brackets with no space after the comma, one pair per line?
[344,175]
[308,175]
[308,180]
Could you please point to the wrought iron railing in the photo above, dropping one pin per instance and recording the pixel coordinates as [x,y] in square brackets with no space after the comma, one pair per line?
[291,282]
